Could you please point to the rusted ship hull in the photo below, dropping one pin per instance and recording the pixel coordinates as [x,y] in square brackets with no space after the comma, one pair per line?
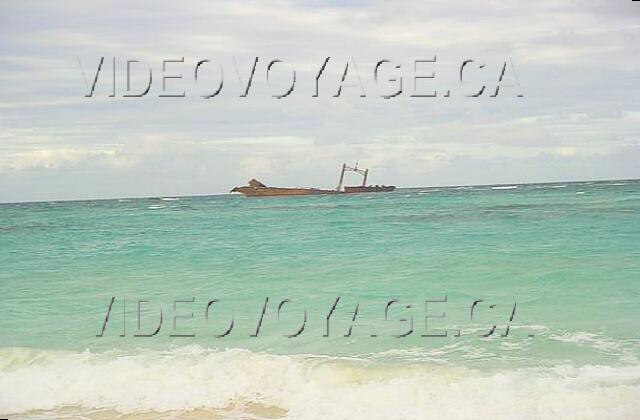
[368,189]
[276,191]
[256,188]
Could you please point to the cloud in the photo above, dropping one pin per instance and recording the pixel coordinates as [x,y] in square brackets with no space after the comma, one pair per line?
[256,166]
[577,64]
[60,158]
[566,151]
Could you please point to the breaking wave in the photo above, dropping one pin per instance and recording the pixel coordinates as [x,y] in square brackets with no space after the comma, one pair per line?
[306,387]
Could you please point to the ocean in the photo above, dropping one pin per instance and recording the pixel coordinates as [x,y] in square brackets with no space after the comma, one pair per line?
[505,302]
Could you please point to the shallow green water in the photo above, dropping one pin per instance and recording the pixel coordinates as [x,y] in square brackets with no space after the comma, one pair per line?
[568,256]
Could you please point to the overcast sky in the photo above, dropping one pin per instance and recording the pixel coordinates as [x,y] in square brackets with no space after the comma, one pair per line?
[577,62]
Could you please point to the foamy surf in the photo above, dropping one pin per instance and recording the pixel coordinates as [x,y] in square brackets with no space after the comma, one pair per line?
[505,187]
[200,383]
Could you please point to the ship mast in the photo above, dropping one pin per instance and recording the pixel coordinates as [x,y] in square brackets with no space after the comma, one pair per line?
[346,168]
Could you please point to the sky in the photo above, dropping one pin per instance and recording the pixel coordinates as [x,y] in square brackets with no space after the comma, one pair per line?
[576,65]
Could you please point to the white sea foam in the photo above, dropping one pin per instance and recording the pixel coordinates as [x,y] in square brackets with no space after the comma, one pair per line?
[558,186]
[169,199]
[155,207]
[505,187]
[309,387]
[596,341]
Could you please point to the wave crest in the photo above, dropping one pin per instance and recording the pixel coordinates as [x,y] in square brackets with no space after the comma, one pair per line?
[192,377]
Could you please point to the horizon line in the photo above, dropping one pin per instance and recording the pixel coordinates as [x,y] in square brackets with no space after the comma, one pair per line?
[71,200]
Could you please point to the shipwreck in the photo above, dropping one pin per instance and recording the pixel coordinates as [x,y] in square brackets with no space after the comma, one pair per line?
[256,188]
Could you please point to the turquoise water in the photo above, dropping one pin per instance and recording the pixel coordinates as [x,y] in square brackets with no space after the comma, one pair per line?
[567,255]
